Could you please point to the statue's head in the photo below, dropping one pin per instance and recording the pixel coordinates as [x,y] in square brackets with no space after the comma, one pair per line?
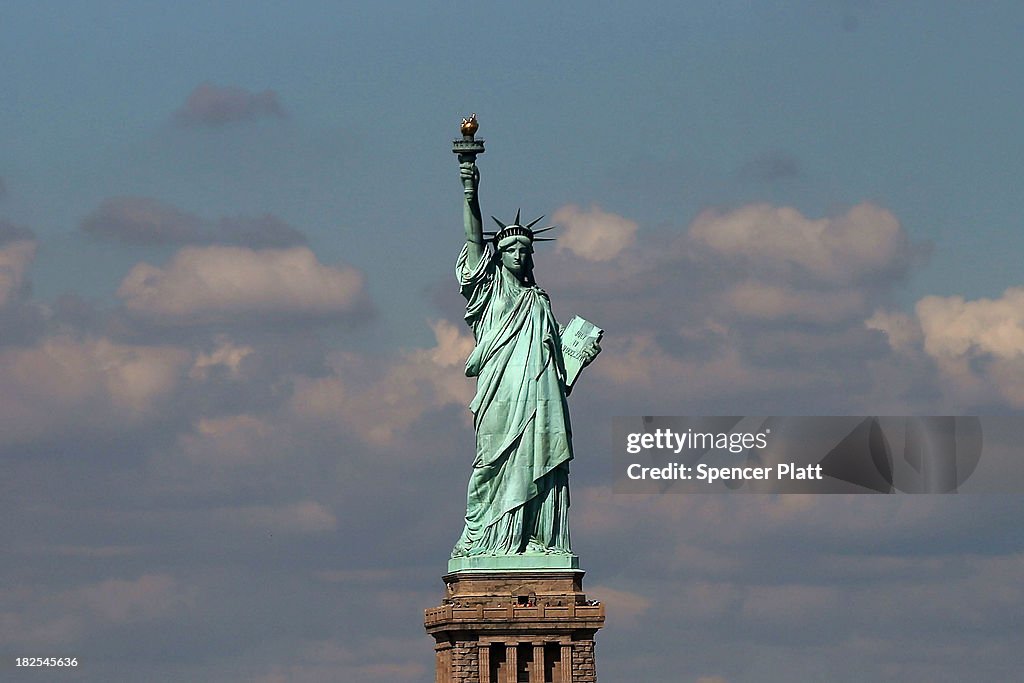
[513,245]
[516,254]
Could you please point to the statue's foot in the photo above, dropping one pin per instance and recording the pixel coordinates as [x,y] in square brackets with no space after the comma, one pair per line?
[535,547]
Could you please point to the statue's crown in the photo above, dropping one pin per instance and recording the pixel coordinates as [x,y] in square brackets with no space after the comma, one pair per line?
[516,229]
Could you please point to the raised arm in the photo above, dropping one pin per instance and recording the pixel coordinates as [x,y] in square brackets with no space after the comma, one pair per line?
[471,210]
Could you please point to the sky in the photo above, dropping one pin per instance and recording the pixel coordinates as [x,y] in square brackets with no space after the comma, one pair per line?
[234,432]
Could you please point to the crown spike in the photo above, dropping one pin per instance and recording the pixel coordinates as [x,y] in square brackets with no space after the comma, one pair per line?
[517,229]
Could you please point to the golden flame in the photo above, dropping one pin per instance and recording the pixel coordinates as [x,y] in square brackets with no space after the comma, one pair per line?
[470,126]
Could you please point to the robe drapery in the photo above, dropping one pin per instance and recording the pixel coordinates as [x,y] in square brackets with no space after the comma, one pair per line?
[518,496]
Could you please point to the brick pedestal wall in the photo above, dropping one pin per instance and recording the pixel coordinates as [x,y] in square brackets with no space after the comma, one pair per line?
[583,668]
[510,627]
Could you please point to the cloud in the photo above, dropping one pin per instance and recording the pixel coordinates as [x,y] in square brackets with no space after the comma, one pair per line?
[953,327]
[141,220]
[303,517]
[384,672]
[637,368]
[624,607]
[145,221]
[901,330]
[9,232]
[875,527]
[862,244]
[22,320]
[791,606]
[204,285]
[757,300]
[381,411]
[64,384]
[212,105]
[256,231]
[17,252]
[381,661]
[34,616]
[380,576]
[863,570]
[741,272]
[15,259]
[594,235]
[151,596]
[977,346]
[88,551]
[226,356]
[771,166]
[707,321]
[273,459]
[226,441]
[741,304]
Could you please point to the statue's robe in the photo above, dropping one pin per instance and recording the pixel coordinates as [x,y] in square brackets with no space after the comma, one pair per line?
[518,496]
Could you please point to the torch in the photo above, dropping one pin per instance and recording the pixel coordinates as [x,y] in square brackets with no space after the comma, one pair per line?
[468,147]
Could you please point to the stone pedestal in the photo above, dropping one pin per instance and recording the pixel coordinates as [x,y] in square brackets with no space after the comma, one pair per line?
[515,626]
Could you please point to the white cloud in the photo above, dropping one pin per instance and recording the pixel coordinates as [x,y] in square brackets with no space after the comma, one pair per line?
[865,241]
[978,346]
[902,330]
[64,382]
[594,235]
[637,365]
[418,381]
[762,301]
[216,284]
[954,327]
[226,355]
[226,441]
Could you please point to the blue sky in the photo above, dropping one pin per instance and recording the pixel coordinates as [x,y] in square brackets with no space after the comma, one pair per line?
[227,315]
[654,111]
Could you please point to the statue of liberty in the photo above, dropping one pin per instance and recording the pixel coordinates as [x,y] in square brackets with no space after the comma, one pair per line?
[518,497]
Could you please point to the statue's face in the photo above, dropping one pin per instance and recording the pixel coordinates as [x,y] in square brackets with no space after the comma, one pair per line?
[517,258]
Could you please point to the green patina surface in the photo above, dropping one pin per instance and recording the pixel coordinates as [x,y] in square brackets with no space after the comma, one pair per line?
[518,496]
[505,562]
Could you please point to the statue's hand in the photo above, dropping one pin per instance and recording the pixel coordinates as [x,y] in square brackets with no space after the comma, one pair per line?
[590,352]
[470,175]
